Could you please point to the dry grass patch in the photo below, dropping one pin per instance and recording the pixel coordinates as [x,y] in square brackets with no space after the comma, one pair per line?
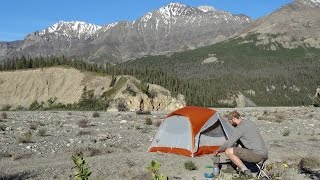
[16,157]
[89,151]
[95,114]
[82,133]
[309,163]
[24,137]
[33,126]
[3,115]
[42,132]
[148,121]
[83,123]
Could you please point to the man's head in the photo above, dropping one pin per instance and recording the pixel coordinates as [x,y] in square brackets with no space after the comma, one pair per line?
[234,118]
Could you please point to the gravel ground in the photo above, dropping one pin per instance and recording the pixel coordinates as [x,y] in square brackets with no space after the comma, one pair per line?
[39,145]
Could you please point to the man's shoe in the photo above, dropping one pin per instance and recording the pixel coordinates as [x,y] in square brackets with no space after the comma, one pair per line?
[247,174]
[229,170]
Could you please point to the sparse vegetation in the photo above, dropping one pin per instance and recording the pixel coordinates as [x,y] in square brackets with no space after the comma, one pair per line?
[148,121]
[189,165]
[6,108]
[95,114]
[286,132]
[3,115]
[82,171]
[154,170]
[42,132]
[83,123]
[25,137]
[16,157]
[309,163]
[122,106]
[33,126]
[142,112]
[81,133]
[2,127]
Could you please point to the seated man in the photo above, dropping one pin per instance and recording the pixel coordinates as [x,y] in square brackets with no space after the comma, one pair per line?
[253,147]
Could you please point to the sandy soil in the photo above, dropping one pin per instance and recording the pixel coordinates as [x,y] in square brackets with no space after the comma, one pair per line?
[116,143]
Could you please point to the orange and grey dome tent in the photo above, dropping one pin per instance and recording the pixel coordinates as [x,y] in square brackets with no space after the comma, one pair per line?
[191,131]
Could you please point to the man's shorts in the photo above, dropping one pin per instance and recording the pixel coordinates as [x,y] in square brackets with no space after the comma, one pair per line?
[248,155]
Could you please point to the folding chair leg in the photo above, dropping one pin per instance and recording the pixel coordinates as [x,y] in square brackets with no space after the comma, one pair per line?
[261,172]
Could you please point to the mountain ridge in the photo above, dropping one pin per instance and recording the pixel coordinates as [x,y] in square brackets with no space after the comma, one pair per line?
[174,27]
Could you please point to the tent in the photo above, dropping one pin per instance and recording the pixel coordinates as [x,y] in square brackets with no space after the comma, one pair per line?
[191,131]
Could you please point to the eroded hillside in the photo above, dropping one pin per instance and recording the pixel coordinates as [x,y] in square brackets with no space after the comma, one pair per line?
[68,85]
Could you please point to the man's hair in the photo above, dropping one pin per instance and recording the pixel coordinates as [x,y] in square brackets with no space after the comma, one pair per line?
[233,114]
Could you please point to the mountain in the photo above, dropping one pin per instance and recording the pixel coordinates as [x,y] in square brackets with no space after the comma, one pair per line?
[294,25]
[275,62]
[174,27]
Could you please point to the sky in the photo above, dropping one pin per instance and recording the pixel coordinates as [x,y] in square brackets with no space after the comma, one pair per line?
[21,17]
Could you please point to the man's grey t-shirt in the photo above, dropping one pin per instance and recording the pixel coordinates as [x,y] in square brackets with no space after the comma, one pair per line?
[249,135]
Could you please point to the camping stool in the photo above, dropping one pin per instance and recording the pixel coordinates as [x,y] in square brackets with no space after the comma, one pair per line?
[261,165]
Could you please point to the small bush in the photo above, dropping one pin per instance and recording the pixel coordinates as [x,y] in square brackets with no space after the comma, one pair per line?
[3,115]
[309,163]
[154,170]
[83,123]
[141,112]
[93,151]
[6,108]
[138,127]
[34,126]
[286,132]
[2,127]
[25,138]
[95,114]
[189,165]
[20,108]
[148,121]
[16,157]
[81,133]
[42,132]
[82,171]
[130,162]
[122,106]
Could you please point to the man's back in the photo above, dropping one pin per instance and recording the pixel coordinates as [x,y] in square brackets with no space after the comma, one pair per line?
[251,137]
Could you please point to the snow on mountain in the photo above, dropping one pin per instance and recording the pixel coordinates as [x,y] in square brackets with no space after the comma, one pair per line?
[72,29]
[175,9]
[206,8]
[316,2]
[311,3]
[109,26]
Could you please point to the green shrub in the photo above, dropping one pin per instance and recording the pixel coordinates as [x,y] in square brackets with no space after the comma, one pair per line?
[42,132]
[309,163]
[3,115]
[35,105]
[286,132]
[148,121]
[34,126]
[141,112]
[122,106]
[83,123]
[189,165]
[25,138]
[6,108]
[95,114]
[82,171]
[154,170]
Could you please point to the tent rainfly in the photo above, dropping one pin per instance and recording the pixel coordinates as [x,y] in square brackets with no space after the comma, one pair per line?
[191,131]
